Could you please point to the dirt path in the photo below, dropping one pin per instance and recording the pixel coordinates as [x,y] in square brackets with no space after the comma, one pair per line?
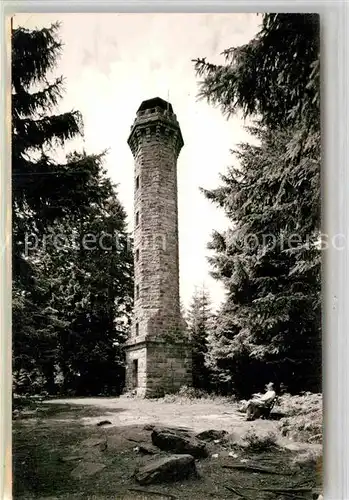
[197,415]
[60,452]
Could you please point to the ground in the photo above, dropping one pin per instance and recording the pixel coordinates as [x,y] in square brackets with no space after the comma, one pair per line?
[61,452]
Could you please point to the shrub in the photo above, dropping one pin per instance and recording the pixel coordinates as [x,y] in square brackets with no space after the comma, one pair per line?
[303,417]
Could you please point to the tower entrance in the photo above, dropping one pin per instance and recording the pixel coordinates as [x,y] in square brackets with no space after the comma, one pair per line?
[135,373]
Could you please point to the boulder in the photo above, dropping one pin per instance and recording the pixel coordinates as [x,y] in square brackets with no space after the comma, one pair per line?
[167,469]
[211,435]
[178,442]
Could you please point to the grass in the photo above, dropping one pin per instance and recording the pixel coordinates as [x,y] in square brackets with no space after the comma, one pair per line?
[43,434]
[38,466]
[188,394]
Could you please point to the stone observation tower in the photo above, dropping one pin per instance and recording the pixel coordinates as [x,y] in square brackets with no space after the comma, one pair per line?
[157,355]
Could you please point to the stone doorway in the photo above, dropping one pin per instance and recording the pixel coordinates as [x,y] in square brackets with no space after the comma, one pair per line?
[135,373]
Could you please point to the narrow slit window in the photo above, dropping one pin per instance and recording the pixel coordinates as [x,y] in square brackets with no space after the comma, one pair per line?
[137,182]
[137,255]
[137,218]
[137,329]
[137,291]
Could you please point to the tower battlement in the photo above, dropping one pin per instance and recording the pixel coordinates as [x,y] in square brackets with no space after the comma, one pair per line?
[155,116]
[158,359]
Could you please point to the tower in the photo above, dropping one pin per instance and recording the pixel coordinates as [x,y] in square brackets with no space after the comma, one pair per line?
[157,354]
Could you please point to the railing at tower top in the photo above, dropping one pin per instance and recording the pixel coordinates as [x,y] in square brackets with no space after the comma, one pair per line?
[158,111]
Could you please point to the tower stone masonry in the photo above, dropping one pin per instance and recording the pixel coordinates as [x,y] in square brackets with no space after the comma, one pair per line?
[158,357]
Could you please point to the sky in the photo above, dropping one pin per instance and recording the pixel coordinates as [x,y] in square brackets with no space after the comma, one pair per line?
[111,63]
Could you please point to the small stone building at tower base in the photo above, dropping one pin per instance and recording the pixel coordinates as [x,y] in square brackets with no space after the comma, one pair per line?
[156,368]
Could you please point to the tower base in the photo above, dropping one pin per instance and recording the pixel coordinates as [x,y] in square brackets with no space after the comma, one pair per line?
[155,368]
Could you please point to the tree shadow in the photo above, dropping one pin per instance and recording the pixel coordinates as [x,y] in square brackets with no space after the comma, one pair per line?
[64,411]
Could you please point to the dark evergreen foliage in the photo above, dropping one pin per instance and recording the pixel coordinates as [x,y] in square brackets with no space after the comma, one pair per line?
[275,76]
[200,321]
[270,328]
[70,308]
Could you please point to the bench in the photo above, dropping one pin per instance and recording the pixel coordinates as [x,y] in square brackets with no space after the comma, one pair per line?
[265,411]
[261,411]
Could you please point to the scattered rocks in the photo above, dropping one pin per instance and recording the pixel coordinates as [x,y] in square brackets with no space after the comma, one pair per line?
[177,442]
[167,469]
[103,422]
[211,435]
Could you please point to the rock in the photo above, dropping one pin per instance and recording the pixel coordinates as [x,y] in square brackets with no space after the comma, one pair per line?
[175,430]
[211,435]
[87,469]
[72,458]
[91,442]
[167,469]
[149,427]
[146,450]
[103,422]
[178,442]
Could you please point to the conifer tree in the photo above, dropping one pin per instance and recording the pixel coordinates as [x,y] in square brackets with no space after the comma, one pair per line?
[269,259]
[52,197]
[200,323]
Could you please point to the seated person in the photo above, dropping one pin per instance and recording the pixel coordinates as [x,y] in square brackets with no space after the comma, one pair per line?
[255,406]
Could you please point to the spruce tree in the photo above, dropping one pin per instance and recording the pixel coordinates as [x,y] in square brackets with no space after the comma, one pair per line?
[200,323]
[52,197]
[94,292]
[269,259]
[270,265]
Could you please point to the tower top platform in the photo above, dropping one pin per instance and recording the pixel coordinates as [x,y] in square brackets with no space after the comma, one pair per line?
[152,112]
[156,102]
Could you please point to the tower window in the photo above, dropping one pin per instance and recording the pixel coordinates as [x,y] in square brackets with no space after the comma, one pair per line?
[137,291]
[137,218]
[137,255]
[137,182]
[137,329]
